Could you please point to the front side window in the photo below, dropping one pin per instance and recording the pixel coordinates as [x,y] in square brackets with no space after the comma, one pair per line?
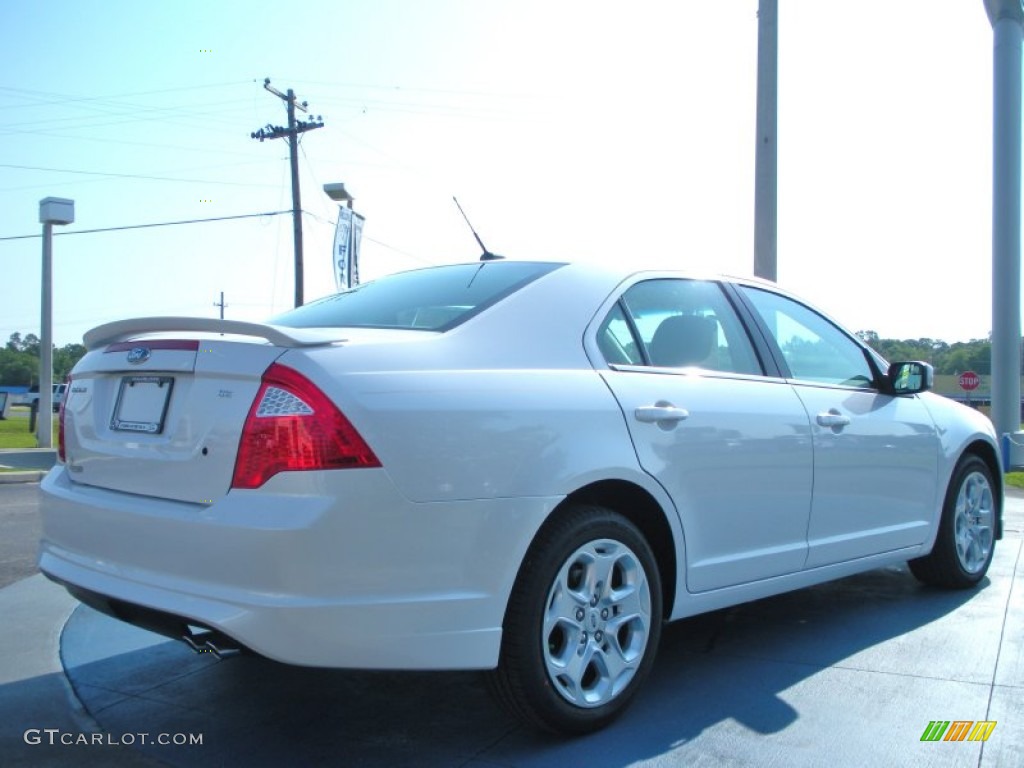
[814,349]
[674,323]
[434,299]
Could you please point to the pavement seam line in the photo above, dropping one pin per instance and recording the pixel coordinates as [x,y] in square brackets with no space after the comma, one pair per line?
[847,668]
[1002,636]
[142,695]
[477,756]
[79,712]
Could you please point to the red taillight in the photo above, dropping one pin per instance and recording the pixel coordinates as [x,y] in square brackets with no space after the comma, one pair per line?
[293,426]
[61,453]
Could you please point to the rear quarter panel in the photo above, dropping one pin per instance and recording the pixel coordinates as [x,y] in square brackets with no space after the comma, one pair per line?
[506,404]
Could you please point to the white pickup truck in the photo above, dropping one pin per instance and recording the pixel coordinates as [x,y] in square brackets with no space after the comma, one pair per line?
[33,395]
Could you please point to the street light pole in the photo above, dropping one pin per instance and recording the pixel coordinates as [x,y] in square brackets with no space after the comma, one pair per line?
[337,192]
[44,420]
[52,210]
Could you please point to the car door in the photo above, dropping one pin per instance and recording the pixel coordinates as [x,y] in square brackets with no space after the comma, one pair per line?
[875,455]
[731,446]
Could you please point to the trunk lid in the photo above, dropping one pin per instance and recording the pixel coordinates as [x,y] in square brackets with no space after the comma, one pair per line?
[163,416]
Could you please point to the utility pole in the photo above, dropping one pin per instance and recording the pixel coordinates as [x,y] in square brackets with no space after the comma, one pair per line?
[220,304]
[292,132]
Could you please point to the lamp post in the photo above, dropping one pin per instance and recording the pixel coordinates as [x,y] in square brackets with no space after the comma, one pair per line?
[337,192]
[52,210]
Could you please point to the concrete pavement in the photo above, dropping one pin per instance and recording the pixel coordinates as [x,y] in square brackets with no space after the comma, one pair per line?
[844,674]
[30,464]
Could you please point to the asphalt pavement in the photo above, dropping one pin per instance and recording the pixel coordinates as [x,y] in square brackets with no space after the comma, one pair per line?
[844,674]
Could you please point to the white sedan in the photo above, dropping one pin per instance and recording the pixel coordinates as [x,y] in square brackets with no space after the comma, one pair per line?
[512,466]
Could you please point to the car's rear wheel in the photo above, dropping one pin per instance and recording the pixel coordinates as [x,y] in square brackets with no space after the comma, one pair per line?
[583,623]
[966,540]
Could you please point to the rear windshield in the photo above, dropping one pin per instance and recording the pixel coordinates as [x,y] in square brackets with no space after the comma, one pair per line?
[434,299]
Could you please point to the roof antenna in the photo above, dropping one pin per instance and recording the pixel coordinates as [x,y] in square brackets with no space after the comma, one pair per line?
[486,255]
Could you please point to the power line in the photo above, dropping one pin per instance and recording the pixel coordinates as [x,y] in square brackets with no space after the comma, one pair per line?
[138,113]
[324,204]
[387,98]
[62,98]
[149,226]
[406,89]
[135,175]
[101,114]
[149,145]
[218,218]
[92,113]
[398,250]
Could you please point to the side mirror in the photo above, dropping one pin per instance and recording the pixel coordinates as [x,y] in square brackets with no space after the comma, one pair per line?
[910,378]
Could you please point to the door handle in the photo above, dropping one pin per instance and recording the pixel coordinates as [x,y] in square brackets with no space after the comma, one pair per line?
[663,414]
[833,419]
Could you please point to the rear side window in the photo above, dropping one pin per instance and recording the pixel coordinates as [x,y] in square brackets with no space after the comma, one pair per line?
[676,323]
[435,299]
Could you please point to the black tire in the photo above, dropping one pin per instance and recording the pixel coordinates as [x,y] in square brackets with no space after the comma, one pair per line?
[582,625]
[966,540]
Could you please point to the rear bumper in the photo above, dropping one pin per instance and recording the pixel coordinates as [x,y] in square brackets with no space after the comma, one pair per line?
[331,569]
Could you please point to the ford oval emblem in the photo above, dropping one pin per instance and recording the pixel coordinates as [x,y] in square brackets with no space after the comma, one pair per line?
[138,355]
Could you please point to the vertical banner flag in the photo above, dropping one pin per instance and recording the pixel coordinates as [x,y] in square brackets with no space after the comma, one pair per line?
[347,238]
[354,249]
[342,248]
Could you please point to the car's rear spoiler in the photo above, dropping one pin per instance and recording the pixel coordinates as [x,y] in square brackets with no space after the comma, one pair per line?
[125,330]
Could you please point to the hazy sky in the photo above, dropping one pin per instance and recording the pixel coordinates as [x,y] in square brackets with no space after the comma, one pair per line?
[591,131]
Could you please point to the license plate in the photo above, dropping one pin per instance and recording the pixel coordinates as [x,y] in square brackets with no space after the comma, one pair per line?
[142,404]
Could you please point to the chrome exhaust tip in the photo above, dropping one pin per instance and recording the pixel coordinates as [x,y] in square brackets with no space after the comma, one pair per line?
[219,645]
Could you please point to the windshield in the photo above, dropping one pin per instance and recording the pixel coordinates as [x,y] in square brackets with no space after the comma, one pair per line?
[434,299]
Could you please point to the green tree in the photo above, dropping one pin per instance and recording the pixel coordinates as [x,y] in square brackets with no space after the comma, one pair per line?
[64,360]
[18,369]
[19,361]
[31,344]
[975,355]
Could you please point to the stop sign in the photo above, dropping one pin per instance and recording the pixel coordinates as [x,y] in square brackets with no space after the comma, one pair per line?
[969,380]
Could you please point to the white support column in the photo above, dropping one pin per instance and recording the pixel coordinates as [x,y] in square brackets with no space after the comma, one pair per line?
[1007,17]
[52,210]
[766,154]
[44,419]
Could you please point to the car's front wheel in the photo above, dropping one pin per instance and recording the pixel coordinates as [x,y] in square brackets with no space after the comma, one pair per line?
[583,623]
[966,539]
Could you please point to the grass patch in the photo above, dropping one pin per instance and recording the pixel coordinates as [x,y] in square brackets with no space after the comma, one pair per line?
[14,433]
[1016,479]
